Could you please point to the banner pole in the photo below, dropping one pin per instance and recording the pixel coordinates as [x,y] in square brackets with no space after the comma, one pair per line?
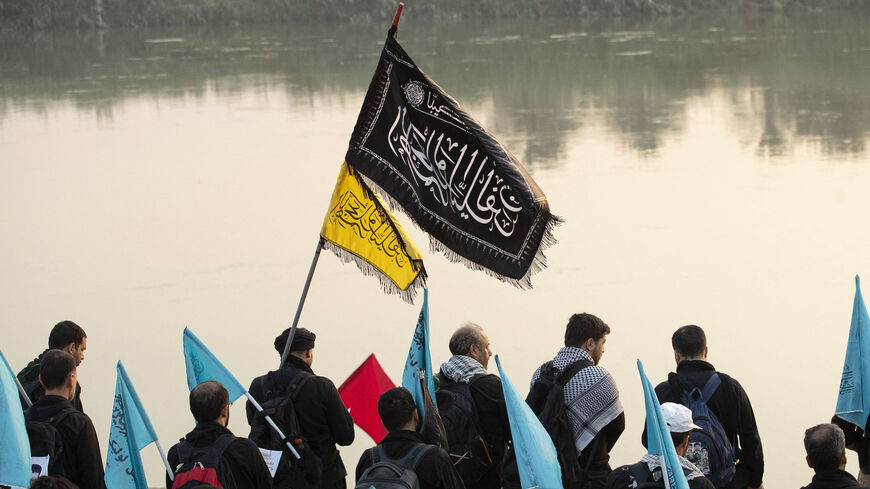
[301,303]
[165,460]
[22,392]
[272,424]
[398,14]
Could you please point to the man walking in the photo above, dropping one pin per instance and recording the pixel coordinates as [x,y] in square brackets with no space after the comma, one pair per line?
[80,460]
[728,402]
[826,455]
[323,420]
[404,447]
[591,397]
[649,469]
[210,453]
[67,336]
[465,385]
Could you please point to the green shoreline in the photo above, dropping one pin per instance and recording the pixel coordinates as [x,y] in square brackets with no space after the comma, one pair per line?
[96,14]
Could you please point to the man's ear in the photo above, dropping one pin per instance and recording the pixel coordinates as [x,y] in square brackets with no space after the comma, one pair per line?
[705,353]
[70,348]
[589,345]
[39,376]
[808,462]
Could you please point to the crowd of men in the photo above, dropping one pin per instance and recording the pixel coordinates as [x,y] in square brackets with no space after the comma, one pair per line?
[300,419]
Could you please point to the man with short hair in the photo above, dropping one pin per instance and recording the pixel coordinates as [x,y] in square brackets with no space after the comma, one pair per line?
[81,462]
[591,397]
[322,416]
[729,403]
[466,372]
[210,406]
[399,415]
[826,455]
[649,469]
[67,336]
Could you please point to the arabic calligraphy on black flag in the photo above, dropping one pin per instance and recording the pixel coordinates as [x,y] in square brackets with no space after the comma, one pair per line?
[456,181]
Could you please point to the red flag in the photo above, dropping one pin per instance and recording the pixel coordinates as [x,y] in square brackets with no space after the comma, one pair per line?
[360,393]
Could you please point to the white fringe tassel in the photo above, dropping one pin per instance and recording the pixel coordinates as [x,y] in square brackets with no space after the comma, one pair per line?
[408,295]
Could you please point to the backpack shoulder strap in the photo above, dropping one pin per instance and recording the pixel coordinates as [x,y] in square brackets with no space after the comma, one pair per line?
[571,370]
[60,416]
[710,387]
[640,471]
[414,456]
[297,384]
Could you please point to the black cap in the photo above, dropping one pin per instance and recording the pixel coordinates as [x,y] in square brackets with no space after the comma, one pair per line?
[302,340]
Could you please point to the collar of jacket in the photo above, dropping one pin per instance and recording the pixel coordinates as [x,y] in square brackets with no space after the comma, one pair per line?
[834,479]
[695,365]
[402,436]
[296,362]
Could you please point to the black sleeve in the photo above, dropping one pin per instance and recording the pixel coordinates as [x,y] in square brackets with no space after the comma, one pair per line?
[751,455]
[448,478]
[340,421]
[88,459]
[172,458]
[613,431]
[249,469]
[365,461]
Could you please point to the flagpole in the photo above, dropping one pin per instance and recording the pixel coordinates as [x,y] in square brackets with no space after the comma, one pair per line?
[398,14]
[299,307]
[273,425]
[22,392]
[165,460]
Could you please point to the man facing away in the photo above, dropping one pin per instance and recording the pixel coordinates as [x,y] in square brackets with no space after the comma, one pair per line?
[729,403]
[826,455]
[404,446]
[591,397]
[239,463]
[323,419]
[67,336]
[649,469]
[80,461]
[466,372]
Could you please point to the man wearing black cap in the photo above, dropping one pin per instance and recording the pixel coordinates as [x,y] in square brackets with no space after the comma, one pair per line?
[323,419]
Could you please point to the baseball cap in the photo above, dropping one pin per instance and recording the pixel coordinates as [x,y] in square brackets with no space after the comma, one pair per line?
[678,418]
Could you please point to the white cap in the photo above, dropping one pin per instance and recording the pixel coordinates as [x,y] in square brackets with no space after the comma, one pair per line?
[678,418]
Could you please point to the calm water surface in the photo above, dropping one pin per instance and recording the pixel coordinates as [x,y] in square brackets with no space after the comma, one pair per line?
[710,170]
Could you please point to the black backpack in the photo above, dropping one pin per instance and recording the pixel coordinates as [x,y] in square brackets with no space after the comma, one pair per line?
[643,477]
[45,441]
[387,473]
[547,400]
[203,465]
[709,448]
[469,452]
[279,404]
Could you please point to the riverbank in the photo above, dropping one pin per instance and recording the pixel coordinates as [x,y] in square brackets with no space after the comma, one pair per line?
[97,14]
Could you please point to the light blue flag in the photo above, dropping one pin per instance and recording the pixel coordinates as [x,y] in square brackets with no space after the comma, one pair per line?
[537,461]
[853,402]
[15,463]
[131,431]
[202,365]
[659,441]
[419,359]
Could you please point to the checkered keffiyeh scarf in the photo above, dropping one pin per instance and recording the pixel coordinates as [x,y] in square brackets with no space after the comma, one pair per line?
[591,396]
[655,462]
[461,369]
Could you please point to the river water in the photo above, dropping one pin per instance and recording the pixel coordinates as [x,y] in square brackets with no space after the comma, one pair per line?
[710,170]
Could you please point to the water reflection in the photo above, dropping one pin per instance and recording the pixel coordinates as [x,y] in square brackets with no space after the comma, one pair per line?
[790,81]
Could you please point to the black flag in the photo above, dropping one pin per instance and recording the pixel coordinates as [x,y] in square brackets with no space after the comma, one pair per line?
[455,180]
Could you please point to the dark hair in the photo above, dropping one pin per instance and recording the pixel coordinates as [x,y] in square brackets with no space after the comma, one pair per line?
[689,341]
[826,445]
[55,367]
[207,400]
[583,326]
[52,482]
[64,333]
[678,438]
[464,338]
[396,407]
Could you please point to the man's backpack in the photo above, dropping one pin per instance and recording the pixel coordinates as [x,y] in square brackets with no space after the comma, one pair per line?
[387,473]
[643,478]
[280,405]
[46,445]
[203,465]
[469,452]
[709,448]
[547,400]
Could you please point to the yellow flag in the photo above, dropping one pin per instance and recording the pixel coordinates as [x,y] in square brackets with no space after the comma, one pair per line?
[359,228]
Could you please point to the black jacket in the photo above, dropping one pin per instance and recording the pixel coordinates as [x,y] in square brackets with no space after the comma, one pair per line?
[833,479]
[731,405]
[243,457]
[434,471]
[488,398]
[622,478]
[323,418]
[82,463]
[29,378]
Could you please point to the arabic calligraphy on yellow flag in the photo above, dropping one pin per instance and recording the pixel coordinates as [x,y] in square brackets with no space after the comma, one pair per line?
[359,228]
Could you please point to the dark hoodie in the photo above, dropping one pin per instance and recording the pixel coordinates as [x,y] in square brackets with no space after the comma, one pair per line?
[244,458]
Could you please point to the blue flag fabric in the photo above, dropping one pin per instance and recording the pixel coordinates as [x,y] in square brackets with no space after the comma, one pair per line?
[853,402]
[419,359]
[131,431]
[537,461]
[202,365]
[659,437]
[15,468]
